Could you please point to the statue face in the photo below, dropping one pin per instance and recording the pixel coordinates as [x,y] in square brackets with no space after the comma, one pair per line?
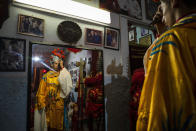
[4,11]
[56,65]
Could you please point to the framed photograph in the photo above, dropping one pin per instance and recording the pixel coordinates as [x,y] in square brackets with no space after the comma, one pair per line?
[132,35]
[146,40]
[29,25]
[130,8]
[94,37]
[144,31]
[49,108]
[112,38]
[151,8]
[12,54]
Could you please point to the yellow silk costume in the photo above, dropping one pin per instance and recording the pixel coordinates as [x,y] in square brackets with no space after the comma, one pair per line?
[48,97]
[167,100]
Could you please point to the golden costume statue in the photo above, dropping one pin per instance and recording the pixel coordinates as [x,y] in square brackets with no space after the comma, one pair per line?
[167,101]
[53,89]
[48,97]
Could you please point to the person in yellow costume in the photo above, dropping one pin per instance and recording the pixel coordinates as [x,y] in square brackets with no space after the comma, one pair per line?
[168,98]
[54,87]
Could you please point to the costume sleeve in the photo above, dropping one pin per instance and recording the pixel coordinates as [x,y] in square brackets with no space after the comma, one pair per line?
[41,94]
[65,83]
[168,86]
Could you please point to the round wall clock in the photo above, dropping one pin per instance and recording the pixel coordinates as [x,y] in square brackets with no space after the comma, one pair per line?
[69,32]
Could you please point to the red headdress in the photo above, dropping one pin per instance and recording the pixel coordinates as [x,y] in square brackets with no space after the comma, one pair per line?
[56,55]
[59,53]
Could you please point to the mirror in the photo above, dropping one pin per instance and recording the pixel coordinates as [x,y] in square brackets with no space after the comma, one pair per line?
[66,91]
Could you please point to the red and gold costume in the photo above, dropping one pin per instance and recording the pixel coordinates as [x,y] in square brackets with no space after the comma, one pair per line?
[94,104]
[54,87]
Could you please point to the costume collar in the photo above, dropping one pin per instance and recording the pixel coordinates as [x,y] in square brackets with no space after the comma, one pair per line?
[192,13]
[189,18]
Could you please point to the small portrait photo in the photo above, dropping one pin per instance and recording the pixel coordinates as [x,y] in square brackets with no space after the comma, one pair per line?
[12,54]
[132,35]
[144,31]
[29,25]
[112,38]
[94,37]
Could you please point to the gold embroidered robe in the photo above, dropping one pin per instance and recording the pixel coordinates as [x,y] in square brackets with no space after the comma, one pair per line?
[48,98]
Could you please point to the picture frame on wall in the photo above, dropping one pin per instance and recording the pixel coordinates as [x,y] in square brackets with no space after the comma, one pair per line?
[28,25]
[112,38]
[146,40]
[131,8]
[132,35]
[144,31]
[93,37]
[12,54]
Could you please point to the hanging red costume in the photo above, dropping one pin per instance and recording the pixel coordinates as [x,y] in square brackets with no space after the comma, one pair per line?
[135,92]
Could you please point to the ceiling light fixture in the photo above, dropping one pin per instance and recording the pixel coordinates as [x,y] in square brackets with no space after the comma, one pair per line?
[69,8]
